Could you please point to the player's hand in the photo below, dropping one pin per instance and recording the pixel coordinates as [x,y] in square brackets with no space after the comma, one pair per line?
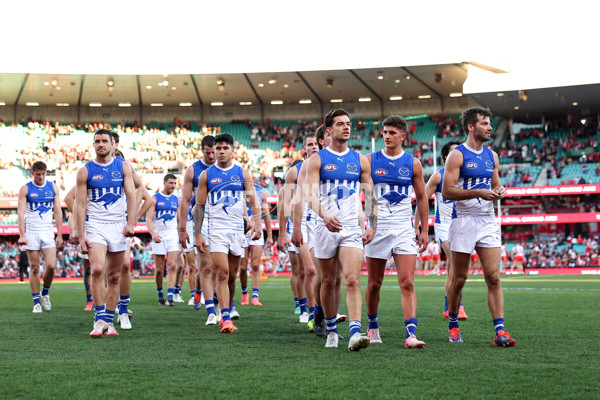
[283,241]
[422,241]
[269,241]
[59,240]
[501,191]
[367,237]
[200,244]
[84,245]
[184,239]
[258,234]
[156,238]
[297,239]
[332,223]
[128,230]
[23,240]
[486,194]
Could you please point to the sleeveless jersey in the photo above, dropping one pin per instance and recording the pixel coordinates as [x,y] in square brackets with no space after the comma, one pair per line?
[224,202]
[475,173]
[259,198]
[190,216]
[165,215]
[443,208]
[198,166]
[339,185]
[307,212]
[106,197]
[393,180]
[38,209]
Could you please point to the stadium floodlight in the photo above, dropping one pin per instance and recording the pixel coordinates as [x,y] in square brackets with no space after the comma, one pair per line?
[245,103]
[364,99]
[424,96]
[185,104]
[395,98]
[32,104]
[124,104]
[457,94]
[95,104]
[216,103]
[2,103]
[62,104]
[305,101]
[336,100]
[276,102]
[156,104]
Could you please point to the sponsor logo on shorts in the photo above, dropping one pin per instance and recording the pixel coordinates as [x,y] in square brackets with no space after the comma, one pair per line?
[97,177]
[471,165]
[215,180]
[330,167]
[381,172]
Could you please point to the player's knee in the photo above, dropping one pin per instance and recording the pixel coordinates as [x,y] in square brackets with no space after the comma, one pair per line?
[492,280]
[113,277]
[310,272]
[407,284]
[352,282]
[374,285]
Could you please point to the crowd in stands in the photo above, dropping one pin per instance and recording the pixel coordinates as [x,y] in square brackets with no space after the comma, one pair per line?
[562,251]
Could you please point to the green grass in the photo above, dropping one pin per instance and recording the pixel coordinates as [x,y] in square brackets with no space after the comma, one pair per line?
[170,352]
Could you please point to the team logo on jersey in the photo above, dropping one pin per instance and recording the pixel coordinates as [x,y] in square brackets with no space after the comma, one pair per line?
[340,193]
[97,177]
[165,218]
[42,209]
[215,180]
[173,204]
[381,172]
[160,204]
[351,167]
[404,172]
[471,165]
[116,174]
[330,167]
[34,195]
[489,164]
[235,178]
[49,194]
[394,198]
[225,201]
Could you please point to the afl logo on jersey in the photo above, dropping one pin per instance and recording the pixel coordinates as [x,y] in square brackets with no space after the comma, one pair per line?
[97,177]
[235,178]
[403,171]
[160,204]
[330,167]
[381,172]
[215,180]
[116,174]
[34,195]
[471,165]
[351,167]
[489,164]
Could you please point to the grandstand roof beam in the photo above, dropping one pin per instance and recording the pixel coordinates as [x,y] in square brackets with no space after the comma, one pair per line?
[262,108]
[137,78]
[19,97]
[312,91]
[79,99]
[198,96]
[370,90]
[438,94]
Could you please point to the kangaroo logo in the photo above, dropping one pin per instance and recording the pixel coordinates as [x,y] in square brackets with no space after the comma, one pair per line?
[165,218]
[341,192]
[42,210]
[108,199]
[226,201]
[393,198]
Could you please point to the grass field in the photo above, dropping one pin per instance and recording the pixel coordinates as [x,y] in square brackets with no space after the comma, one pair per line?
[170,353]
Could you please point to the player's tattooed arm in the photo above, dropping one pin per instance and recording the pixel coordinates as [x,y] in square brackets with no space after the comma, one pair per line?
[198,218]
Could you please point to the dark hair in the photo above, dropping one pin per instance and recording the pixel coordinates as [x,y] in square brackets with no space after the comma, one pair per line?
[446,149]
[207,141]
[320,133]
[39,166]
[296,162]
[332,114]
[169,176]
[310,135]
[470,117]
[115,136]
[224,137]
[118,153]
[105,132]
[397,122]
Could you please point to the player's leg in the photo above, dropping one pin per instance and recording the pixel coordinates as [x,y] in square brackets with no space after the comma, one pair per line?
[244,276]
[179,277]
[375,272]
[301,287]
[328,277]
[458,278]
[34,279]
[405,265]
[319,327]
[462,315]
[159,266]
[190,262]
[97,259]
[221,264]
[125,289]
[255,255]
[293,279]
[234,265]
[309,279]
[86,283]
[114,261]
[171,277]
[207,277]
[49,254]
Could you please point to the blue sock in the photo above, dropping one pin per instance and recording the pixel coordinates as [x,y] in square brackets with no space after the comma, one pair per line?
[199,291]
[373,323]
[245,289]
[124,301]
[255,293]
[225,314]
[170,293]
[160,293]
[296,302]
[411,326]
[331,324]
[109,315]
[445,303]
[99,312]
[233,304]
[499,324]
[452,320]
[45,290]
[210,307]
[303,303]
[36,298]
[192,293]
[319,310]
[311,313]
[178,289]
[215,299]
[354,327]
[89,297]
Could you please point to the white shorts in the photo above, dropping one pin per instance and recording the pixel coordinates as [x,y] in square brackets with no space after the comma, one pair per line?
[310,234]
[327,243]
[258,242]
[110,235]
[441,232]
[191,245]
[166,245]
[388,242]
[468,232]
[227,242]
[39,240]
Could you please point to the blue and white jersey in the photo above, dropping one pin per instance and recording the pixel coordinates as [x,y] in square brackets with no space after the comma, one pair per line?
[165,215]
[225,199]
[339,185]
[307,212]
[199,167]
[475,173]
[393,186]
[190,216]
[258,197]
[443,207]
[105,192]
[38,209]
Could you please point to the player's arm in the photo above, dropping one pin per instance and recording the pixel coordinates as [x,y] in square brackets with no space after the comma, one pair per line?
[150,219]
[132,206]
[145,206]
[58,216]
[254,206]
[70,199]
[21,207]
[267,218]
[283,240]
[366,183]
[495,184]
[201,194]
[184,205]
[432,184]
[80,208]
[451,175]
[332,223]
[137,184]
[422,203]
